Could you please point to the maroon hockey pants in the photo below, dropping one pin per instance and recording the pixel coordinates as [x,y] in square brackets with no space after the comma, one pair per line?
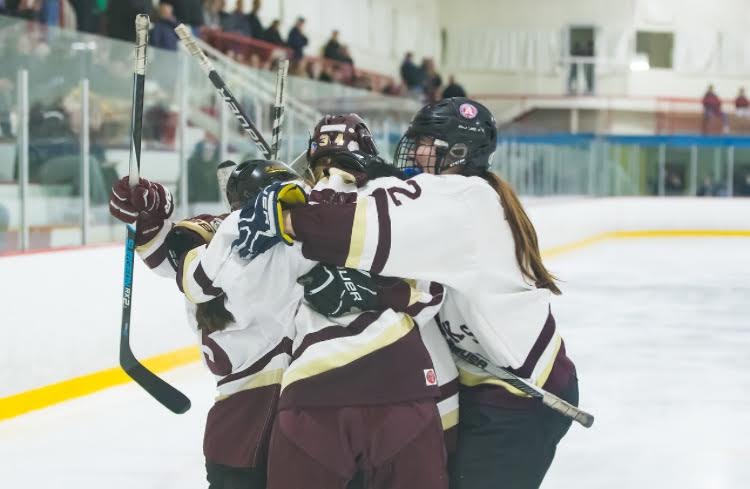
[393,446]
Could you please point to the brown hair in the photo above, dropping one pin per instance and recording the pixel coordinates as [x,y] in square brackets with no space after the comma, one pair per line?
[213,315]
[524,235]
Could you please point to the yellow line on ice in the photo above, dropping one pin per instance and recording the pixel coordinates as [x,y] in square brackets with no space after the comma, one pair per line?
[48,395]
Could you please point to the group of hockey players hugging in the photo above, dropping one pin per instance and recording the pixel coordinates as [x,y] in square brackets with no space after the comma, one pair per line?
[330,306]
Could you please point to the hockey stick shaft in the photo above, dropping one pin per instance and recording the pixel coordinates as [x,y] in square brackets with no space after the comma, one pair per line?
[278,107]
[167,395]
[183,32]
[548,399]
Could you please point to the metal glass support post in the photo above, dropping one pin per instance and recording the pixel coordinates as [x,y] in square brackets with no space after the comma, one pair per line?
[183,123]
[730,171]
[634,170]
[290,139]
[23,154]
[223,132]
[85,164]
[662,168]
[592,165]
[693,170]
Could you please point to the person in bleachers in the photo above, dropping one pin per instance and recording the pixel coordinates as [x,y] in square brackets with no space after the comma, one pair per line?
[432,80]
[712,110]
[213,11]
[707,188]
[742,104]
[121,17]
[412,76]
[453,89]
[162,34]
[297,39]
[332,49]
[273,35]
[188,12]
[236,21]
[255,25]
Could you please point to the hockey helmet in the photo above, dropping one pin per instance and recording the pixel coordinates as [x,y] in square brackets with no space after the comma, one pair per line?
[250,177]
[455,131]
[337,134]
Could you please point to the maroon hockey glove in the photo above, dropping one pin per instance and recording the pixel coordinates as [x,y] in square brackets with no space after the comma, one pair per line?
[125,204]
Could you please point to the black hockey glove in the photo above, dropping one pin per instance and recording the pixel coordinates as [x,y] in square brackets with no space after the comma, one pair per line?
[335,291]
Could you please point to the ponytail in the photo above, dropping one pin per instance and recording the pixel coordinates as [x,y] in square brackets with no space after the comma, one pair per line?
[213,316]
[528,257]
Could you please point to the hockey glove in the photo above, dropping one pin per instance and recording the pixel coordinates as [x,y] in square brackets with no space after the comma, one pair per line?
[261,223]
[126,204]
[188,234]
[335,291]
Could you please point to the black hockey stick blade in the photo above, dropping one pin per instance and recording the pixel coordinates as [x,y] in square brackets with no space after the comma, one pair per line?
[167,395]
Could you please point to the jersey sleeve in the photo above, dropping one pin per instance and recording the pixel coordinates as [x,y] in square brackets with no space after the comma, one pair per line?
[419,299]
[426,228]
[150,236]
[200,268]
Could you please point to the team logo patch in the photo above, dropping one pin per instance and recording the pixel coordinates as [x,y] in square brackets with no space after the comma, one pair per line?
[313,147]
[468,111]
[353,146]
[429,377]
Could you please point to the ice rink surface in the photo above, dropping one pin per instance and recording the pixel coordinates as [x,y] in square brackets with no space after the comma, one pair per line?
[659,330]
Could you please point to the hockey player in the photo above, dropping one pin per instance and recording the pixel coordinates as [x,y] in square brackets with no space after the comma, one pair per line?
[359,396]
[462,226]
[243,313]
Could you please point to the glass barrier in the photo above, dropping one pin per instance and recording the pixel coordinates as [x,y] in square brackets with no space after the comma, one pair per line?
[587,164]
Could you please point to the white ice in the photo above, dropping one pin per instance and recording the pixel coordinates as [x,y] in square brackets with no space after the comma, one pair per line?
[658,329]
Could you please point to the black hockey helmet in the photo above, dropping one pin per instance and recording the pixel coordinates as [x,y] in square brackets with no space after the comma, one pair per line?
[250,177]
[340,134]
[456,131]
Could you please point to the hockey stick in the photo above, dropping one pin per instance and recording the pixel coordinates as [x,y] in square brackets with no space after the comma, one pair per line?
[278,106]
[183,32]
[550,400]
[170,397]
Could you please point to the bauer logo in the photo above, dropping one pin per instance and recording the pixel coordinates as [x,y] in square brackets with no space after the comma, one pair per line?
[429,377]
[468,111]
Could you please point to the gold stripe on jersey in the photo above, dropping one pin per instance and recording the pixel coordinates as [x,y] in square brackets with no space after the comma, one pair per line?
[556,342]
[301,369]
[471,379]
[190,257]
[261,379]
[449,419]
[156,241]
[359,229]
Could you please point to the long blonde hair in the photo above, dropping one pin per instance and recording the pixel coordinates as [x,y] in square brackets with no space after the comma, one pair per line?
[524,235]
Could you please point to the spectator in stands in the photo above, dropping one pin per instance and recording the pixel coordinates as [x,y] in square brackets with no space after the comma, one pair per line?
[273,35]
[163,35]
[432,80]
[252,18]
[213,11]
[588,67]
[332,49]
[88,15]
[453,89]
[412,76]
[121,17]
[237,21]
[707,188]
[673,183]
[26,9]
[202,184]
[188,12]
[297,39]
[743,186]
[742,104]
[712,110]
[345,55]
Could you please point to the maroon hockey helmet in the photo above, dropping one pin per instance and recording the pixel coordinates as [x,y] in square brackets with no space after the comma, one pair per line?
[336,134]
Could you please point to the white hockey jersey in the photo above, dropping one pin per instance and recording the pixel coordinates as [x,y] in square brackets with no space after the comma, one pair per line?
[248,358]
[449,229]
